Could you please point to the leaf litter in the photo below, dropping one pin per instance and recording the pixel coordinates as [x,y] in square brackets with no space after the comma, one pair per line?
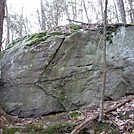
[122,117]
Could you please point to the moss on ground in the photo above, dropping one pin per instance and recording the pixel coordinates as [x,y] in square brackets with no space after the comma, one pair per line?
[34,127]
[11,130]
[76,114]
[54,117]
[60,128]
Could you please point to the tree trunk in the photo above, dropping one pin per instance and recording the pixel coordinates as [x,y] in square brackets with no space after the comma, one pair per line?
[2,15]
[101,112]
[120,4]
[116,11]
[84,5]
[8,26]
[101,5]
[74,13]
[66,11]
[43,17]
[131,11]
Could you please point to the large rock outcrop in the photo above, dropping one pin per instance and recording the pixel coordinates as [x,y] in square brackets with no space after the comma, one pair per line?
[47,73]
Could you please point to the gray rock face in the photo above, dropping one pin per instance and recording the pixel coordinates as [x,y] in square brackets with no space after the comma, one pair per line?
[60,73]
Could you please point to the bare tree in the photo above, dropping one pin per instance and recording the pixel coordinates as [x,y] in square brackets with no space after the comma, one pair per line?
[2,15]
[116,11]
[8,26]
[86,12]
[101,6]
[74,9]
[66,10]
[43,17]
[131,10]
[120,4]
[104,66]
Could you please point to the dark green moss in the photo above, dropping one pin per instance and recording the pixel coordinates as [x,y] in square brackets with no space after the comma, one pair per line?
[34,127]
[75,114]
[57,33]
[37,40]
[10,130]
[60,128]
[113,29]
[109,33]
[20,39]
[54,117]
[37,35]
[2,54]
[74,27]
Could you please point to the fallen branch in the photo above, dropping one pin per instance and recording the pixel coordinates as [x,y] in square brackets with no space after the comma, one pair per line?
[79,127]
[78,22]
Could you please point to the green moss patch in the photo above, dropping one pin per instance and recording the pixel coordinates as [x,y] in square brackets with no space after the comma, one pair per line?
[18,40]
[60,128]
[11,130]
[76,114]
[56,33]
[34,127]
[2,55]
[37,40]
[74,27]
[37,35]
[53,118]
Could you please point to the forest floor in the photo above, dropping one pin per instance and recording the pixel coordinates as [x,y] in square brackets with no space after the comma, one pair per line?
[118,120]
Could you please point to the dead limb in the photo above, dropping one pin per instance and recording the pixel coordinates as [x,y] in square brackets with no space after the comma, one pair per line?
[78,22]
[79,127]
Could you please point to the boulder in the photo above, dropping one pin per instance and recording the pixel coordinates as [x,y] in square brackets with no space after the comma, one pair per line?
[49,73]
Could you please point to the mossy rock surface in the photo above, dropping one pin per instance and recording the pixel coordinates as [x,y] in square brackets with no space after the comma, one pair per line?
[58,73]
[75,27]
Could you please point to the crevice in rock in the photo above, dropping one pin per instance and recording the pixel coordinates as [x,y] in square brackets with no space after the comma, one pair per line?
[10,112]
[54,55]
[58,99]
[85,65]
[126,82]
[32,114]
[67,76]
